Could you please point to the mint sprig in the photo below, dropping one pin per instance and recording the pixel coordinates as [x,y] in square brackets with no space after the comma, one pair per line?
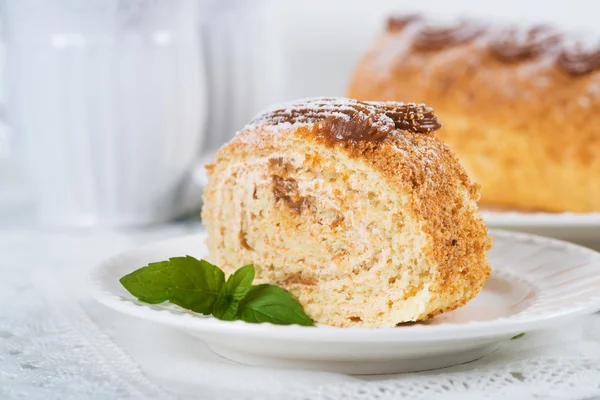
[200,286]
[269,303]
[236,288]
[190,283]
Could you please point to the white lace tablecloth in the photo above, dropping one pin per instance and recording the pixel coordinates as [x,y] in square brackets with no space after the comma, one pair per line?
[57,343]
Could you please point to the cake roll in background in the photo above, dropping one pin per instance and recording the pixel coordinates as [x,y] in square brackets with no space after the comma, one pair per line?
[520,104]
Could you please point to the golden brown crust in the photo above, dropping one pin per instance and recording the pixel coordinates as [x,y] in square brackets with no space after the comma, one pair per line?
[417,164]
[517,106]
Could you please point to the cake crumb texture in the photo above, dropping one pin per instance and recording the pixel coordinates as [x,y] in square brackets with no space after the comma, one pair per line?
[367,233]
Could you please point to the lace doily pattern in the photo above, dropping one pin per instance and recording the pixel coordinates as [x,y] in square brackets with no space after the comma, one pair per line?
[521,369]
[49,347]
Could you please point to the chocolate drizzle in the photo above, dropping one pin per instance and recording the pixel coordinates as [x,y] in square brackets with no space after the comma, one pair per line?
[435,37]
[371,125]
[399,22]
[579,58]
[413,117]
[509,45]
[344,119]
[517,44]
[358,128]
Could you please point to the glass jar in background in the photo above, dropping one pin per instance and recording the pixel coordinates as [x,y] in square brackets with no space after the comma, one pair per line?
[107,98]
[244,64]
[117,103]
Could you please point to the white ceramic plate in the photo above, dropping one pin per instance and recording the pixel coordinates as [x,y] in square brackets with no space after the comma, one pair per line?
[536,283]
[580,228]
[540,219]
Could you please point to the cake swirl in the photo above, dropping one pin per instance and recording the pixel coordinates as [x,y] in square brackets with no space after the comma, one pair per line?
[437,36]
[361,233]
[579,58]
[351,120]
[517,44]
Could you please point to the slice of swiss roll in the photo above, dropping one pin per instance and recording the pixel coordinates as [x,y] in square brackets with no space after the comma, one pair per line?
[356,208]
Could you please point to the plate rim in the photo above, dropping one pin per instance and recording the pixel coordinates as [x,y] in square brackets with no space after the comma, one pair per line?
[446,331]
[540,219]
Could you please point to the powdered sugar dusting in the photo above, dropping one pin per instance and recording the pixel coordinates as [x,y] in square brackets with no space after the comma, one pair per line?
[306,110]
[392,119]
[256,135]
[379,116]
[584,43]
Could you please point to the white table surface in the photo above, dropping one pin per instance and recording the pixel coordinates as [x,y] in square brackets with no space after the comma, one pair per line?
[57,342]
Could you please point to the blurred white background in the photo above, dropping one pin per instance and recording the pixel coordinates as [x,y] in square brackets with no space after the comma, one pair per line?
[321,43]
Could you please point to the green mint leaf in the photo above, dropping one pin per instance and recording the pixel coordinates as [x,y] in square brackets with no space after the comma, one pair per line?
[269,303]
[150,286]
[235,289]
[185,281]
[239,283]
[520,335]
[200,286]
